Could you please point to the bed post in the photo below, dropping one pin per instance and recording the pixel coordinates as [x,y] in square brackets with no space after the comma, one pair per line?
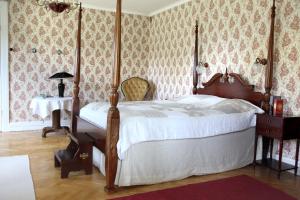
[76,81]
[269,79]
[113,117]
[195,75]
[269,69]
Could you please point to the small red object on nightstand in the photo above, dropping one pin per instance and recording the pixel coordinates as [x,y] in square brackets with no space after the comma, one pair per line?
[278,107]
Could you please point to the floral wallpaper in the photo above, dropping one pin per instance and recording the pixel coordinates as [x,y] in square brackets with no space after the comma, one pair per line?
[160,48]
[232,34]
[31,26]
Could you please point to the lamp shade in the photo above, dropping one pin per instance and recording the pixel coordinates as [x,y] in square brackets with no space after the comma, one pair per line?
[61,75]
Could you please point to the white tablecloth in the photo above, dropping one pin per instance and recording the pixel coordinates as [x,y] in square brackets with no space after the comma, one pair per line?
[44,106]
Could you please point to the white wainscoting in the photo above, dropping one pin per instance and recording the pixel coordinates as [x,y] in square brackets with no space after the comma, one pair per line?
[33,125]
[4,75]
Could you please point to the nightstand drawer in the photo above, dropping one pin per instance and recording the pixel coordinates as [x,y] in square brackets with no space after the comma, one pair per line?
[269,126]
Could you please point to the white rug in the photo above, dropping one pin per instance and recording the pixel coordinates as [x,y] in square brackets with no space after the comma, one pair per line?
[15,178]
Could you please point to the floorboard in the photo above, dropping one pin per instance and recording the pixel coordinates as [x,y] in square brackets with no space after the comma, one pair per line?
[49,185]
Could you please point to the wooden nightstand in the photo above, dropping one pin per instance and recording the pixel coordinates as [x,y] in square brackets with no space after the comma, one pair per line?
[280,128]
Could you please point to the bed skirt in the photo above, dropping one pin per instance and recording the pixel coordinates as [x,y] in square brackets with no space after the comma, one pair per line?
[161,161]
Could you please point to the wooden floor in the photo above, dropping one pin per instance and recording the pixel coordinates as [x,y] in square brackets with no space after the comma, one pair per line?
[48,184]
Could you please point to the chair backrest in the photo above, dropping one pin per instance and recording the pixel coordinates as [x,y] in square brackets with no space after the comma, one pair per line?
[135,89]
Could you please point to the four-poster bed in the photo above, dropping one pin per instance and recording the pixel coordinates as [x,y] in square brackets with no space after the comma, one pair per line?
[105,137]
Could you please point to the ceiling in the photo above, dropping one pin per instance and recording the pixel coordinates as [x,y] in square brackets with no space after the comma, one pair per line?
[140,7]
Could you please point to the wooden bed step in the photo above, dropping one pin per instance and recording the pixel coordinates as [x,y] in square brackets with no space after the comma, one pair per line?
[77,156]
[97,134]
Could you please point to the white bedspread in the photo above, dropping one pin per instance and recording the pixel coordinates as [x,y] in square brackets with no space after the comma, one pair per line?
[188,117]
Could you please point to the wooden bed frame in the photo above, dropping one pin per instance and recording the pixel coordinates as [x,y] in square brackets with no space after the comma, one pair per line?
[219,85]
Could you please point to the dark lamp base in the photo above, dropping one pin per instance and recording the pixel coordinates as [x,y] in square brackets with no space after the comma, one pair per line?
[61,88]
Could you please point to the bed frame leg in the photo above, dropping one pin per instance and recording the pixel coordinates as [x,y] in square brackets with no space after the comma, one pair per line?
[111,157]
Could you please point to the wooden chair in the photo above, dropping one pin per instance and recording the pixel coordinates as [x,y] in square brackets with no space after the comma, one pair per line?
[135,89]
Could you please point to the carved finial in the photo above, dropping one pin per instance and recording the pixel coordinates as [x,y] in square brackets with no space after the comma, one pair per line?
[273,9]
[225,77]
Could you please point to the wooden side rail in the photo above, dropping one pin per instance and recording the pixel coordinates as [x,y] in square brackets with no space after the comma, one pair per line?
[97,134]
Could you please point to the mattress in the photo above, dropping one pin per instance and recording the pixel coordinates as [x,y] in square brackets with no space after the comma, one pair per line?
[189,117]
[160,161]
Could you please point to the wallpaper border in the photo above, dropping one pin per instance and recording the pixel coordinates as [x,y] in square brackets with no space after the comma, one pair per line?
[173,5]
[98,8]
[151,14]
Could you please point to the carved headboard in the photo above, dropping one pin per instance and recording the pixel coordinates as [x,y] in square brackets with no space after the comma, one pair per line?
[222,86]
[239,88]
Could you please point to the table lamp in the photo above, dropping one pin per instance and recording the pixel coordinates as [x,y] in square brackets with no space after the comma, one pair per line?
[61,85]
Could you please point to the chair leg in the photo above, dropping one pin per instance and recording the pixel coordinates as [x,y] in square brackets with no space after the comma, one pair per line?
[265,148]
[297,156]
[280,158]
[271,150]
[255,149]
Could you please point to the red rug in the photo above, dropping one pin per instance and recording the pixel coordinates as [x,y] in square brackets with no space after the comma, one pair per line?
[233,188]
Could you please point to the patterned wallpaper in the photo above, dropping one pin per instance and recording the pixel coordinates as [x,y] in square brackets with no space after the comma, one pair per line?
[232,34]
[31,26]
[171,51]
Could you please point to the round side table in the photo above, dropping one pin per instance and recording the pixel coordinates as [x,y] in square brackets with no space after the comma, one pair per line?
[43,107]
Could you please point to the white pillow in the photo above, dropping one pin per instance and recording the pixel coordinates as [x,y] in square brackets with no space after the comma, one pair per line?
[199,99]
